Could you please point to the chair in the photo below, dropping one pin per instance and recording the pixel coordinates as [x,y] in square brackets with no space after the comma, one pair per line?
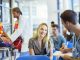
[36,57]
[5,49]
[54,57]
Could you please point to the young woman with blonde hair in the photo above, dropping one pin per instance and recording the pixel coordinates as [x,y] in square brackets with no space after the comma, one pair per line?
[39,44]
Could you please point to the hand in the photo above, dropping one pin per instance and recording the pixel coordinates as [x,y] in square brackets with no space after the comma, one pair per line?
[66,57]
[66,50]
[62,50]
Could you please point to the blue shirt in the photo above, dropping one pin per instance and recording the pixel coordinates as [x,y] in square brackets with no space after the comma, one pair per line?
[69,44]
[76,45]
[57,43]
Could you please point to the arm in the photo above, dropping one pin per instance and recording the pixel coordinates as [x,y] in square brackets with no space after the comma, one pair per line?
[63,46]
[63,43]
[66,57]
[30,46]
[31,51]
[51,53]
[64,49]
[51,50]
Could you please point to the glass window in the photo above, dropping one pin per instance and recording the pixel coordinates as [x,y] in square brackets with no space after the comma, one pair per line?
[25,10]
[0,10]
[34,11]
[76,5]
[6,16]
[41,15]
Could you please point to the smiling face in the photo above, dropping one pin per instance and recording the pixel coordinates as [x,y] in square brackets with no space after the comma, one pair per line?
[42,31]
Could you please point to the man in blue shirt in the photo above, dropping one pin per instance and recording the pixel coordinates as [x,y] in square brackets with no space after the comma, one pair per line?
[69,20]
[57,40]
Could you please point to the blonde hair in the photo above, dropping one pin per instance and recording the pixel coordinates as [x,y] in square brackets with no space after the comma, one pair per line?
[35,34]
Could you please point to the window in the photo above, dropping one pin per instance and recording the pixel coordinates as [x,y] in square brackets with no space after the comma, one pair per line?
[64,5]
[0,14]
[34,11]
[76,5]
[25,10]
[6,16]
[40,15]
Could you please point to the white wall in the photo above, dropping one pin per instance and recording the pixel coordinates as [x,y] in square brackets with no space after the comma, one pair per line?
[29,28]
[52,10]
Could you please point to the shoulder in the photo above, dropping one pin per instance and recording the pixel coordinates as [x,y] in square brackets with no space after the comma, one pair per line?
[32,39]
[61,36]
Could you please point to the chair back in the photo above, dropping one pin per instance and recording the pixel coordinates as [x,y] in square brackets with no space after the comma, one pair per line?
[36,57]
